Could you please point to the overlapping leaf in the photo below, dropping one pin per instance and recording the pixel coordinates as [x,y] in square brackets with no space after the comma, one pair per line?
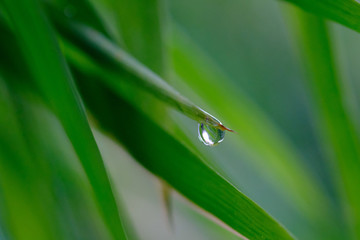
[55,82]
[336,129]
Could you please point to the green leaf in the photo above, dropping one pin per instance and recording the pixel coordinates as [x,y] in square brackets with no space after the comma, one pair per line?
[139,26]
[42,195]
[165,157]
[15,158]
[272,153]
[114,58]
[336,128]
[346,12]
[55,82]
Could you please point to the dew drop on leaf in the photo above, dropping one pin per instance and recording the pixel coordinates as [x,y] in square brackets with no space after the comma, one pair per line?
[209,135]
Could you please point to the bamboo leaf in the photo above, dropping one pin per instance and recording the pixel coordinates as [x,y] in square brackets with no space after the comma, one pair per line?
[335,126]
[55,82]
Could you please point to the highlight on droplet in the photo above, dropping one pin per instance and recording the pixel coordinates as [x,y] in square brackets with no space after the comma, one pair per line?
[209,135]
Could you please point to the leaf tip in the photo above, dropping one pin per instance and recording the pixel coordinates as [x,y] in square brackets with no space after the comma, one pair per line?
[222,127]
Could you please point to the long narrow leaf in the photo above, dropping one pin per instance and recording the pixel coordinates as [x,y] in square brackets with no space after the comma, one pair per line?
[174,163]
[166,157]
[272,153]
[55,82]
[113,57]
[346,12]
[336,128]
[17,180]
[140,27]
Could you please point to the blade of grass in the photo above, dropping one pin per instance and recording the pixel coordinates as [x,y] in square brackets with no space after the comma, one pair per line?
[71,197]
[139,23]
[299,184]
[171,161]
[20,179]
[346,12]
[341,142]
[273,154]
[63,192]
[307,188]
[55,82]
[136,25]
[113,57]
[83,11]
[175,164]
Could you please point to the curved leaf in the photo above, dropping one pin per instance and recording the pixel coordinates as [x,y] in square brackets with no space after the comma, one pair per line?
[138,25]
[55,82]
[165,157]
[346,12]
[113,57]
[336,129]
[273,154]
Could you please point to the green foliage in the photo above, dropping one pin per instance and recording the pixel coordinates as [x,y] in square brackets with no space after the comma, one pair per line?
[56,84]
[122,67]
[337,129]
[345,12]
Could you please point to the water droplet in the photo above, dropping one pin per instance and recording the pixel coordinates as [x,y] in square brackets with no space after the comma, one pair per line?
[209,135]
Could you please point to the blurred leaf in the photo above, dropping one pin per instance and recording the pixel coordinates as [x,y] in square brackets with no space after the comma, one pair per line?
[40,163]
[115,59]
[80,10]
[170,160]
[139,25]
[273,154]
[162,154]
[346,12]
[136,26]
[13,147]
[336,129]
[54,79]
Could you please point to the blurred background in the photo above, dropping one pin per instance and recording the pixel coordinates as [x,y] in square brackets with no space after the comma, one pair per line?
[240,61]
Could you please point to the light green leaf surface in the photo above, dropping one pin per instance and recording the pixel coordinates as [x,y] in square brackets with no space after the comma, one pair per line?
[113,57]
[105,70]
[13,147]
[54,80]
[341,142]
[138,28]
[166,157]
[273,154]
[346,12]
[38,181]
[172,161]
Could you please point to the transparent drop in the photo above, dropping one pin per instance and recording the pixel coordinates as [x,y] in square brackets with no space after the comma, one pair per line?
[209,135]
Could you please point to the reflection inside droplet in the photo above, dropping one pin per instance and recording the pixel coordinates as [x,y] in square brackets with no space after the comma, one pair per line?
[209,135]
